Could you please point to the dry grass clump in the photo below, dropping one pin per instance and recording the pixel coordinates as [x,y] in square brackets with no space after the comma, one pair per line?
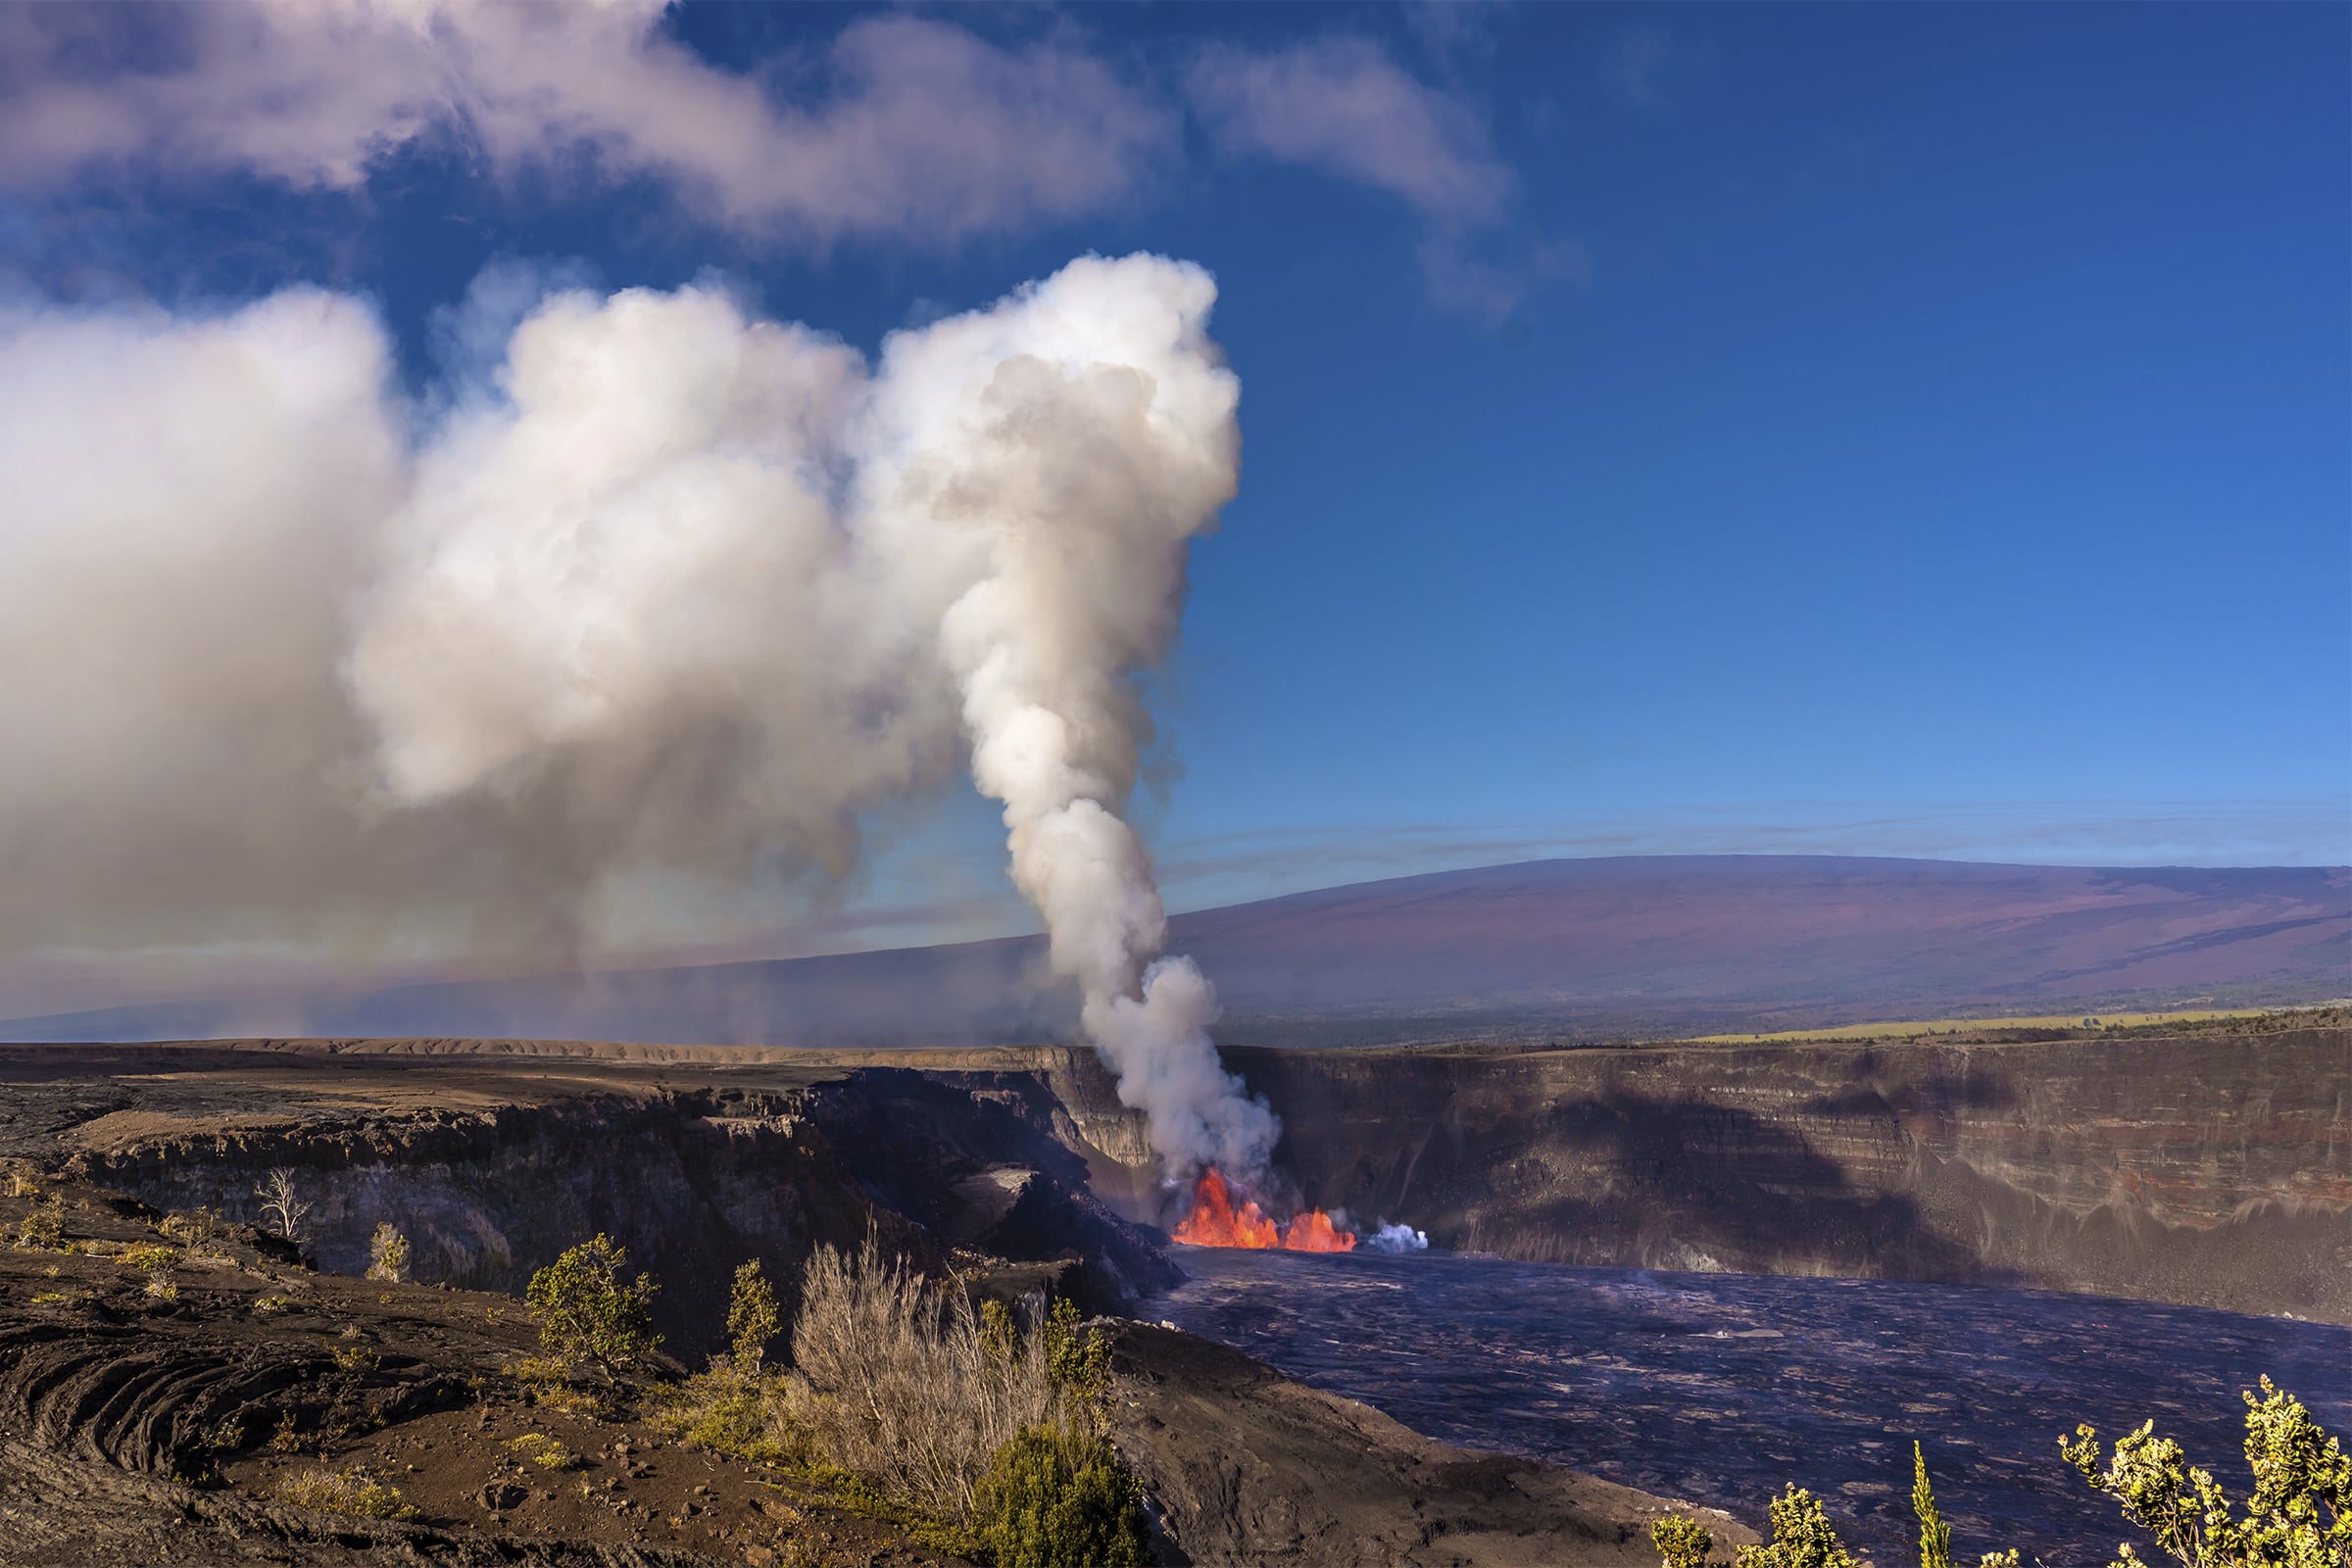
[980,1432]
[898,1381]
[354,1490]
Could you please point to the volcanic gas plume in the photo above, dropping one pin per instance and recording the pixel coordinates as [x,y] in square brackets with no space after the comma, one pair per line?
[1215,1221]
[633,619]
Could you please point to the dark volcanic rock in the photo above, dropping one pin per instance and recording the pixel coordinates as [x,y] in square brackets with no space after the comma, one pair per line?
[2207,1169]
[1249,1468]
[491,1174]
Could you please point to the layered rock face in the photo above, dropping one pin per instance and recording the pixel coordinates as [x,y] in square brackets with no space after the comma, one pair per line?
[2208,1170]
[691,1177]
[2212,1170]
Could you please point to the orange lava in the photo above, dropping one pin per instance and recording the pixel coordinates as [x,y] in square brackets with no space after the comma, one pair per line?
[1215,1222]
[1313,1232]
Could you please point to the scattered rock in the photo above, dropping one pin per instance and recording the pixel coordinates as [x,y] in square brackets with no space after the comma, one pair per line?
[499,1495]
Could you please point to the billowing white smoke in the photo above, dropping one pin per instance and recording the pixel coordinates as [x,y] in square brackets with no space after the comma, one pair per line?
[1397,1239]
[652,615]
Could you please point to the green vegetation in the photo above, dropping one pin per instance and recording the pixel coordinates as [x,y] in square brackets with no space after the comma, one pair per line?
[2299,1516]
[353,1491]
[44,1230]
[544,1452]
[982,1430]
[388,1254]
[587,1315]
[752,1319]
[1053,1497]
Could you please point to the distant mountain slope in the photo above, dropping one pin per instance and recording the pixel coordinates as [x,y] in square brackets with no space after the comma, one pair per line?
[1593,946]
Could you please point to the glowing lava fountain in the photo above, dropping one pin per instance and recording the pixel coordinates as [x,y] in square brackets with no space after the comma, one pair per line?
[1215,1222]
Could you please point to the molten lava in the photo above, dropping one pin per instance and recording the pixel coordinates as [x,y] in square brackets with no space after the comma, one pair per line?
[1215,1222]
[1313,1232]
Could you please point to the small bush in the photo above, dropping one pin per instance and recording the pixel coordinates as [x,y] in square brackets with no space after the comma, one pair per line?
[161,1289]
[1682,1542]
[388,1254]
[2300,1515]
[44,1229]
[544,1452]
[353,1491]
[201,1231]
[586,1314]
[151,1256]
[358,1359]
[752,1319]
[1803,1536]
[724,1412]
[1052,1497]
[269,1303]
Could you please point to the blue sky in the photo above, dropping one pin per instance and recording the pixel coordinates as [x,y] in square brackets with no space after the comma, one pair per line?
[1912,429]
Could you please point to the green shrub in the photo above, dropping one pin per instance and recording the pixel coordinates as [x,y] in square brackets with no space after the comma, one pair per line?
[1052,1498]
[1803,1536]
[548,1453]
[2300,1515]
[752,1319]
[726,1413]
[1081,1367]
[586,1314]
[1681,1542]
[45,1228]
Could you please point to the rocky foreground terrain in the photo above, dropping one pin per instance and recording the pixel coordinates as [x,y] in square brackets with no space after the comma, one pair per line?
[153,1410]
[168,1379]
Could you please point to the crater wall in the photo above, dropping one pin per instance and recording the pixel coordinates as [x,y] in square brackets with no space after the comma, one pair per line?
[2210,1170]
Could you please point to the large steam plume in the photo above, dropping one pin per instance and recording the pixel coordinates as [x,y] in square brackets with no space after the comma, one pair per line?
[647,617]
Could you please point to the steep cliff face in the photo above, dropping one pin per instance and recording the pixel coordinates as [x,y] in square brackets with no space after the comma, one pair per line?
[691,1181]
[2207,1170]
[2191,1170]
[2212,1170]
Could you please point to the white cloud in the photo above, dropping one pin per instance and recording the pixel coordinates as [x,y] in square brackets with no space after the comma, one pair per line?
[1342,107]
[902,128]
[899,128]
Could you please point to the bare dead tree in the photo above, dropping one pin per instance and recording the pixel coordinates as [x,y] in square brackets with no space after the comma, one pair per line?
[285,1209]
